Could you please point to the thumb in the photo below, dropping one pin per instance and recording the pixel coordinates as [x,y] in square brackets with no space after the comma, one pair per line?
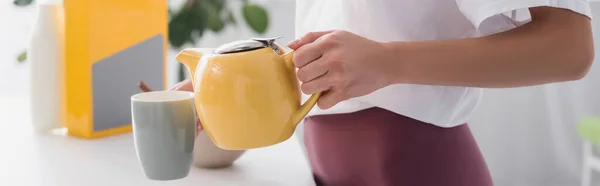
[185,85]
[198,126]
[306,39]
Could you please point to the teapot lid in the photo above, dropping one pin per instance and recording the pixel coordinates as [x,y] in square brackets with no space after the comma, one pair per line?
[247,45]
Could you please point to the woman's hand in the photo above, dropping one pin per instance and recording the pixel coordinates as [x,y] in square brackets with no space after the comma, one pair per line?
[186,85]
[342,64]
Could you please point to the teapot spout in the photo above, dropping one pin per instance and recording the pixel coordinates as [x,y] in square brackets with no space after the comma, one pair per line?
[190,58]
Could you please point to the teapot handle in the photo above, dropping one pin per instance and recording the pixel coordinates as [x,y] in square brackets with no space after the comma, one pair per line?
[311,102]
[306,107]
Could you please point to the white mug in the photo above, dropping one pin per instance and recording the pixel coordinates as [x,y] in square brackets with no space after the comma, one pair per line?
[164,129]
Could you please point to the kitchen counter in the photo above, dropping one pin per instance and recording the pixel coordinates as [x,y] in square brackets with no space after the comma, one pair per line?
[29,158]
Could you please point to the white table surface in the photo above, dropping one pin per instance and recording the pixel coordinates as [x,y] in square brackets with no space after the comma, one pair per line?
[28,158]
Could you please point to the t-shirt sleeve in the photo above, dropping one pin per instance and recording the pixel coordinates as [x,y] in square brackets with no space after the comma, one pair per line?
[477,11]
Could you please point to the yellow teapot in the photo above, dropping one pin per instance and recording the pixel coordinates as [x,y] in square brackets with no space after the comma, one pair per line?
[246,92]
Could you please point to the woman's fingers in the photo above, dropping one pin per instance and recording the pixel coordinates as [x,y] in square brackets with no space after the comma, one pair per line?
[319,84]
[312,48]
[306,39]
[308,54]
[325,83]
[198,126]
[176,86]
[330,98]
[312,70]
[185,85]
[313,51]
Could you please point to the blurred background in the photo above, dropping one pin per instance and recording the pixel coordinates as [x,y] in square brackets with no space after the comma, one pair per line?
[17,23]
[528,135]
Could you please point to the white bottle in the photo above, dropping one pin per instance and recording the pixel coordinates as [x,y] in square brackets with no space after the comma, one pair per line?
[45,56]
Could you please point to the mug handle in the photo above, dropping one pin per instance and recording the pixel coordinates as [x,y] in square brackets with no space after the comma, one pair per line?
[311,102]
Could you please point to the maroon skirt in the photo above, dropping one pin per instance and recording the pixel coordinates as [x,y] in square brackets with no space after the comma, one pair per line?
[376,147]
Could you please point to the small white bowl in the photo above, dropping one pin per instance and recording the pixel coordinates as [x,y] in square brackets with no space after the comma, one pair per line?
[208,155]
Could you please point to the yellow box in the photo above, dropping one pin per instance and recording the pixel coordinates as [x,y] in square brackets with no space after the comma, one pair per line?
[110,45]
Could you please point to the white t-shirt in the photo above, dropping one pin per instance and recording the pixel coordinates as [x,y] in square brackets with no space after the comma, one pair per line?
[412,20]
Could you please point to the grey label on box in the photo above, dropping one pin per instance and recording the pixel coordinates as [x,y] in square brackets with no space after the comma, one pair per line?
[115,80]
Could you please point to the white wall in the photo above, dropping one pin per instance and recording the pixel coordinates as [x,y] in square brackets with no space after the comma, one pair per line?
[15,24]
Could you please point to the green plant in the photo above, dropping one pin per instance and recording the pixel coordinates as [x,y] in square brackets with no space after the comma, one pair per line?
[189,22]
[195,17]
